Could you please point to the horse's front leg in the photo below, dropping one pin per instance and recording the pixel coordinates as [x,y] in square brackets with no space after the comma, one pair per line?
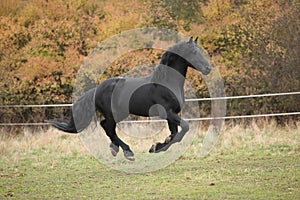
[109,125]
[173,121]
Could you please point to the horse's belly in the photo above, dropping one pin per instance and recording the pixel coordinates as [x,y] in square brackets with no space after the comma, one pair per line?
[139,108]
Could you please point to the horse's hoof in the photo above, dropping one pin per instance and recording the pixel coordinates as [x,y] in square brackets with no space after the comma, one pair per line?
[159,147]
[152,149]
[129,155]
[168,139]
[114,149]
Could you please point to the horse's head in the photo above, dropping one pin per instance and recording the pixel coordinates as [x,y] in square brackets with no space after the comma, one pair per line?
[196,57]
[193,54]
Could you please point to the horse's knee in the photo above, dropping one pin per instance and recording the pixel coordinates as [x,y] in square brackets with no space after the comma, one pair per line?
[184,126]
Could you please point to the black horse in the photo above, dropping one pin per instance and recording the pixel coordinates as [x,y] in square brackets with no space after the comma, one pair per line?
[160,94]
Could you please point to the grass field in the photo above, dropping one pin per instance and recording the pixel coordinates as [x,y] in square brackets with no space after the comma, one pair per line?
[259,161]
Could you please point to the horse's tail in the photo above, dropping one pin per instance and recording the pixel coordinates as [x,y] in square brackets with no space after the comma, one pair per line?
[83,112]
[66,127]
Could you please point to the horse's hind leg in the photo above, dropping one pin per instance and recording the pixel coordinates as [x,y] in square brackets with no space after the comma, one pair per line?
[173,121]
[109,125]
[114,146]
[173,127]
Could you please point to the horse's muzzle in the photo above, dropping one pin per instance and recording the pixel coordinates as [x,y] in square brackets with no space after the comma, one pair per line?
[206,70]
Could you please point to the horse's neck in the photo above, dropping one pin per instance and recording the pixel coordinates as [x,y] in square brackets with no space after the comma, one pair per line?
[176,67]
[172,71]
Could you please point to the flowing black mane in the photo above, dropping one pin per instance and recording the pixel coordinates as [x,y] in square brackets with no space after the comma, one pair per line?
[171,59]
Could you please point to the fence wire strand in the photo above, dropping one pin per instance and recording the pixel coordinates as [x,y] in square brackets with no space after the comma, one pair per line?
[187,100]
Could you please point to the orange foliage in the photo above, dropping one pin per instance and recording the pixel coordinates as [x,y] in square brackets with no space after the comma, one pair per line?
[43,43]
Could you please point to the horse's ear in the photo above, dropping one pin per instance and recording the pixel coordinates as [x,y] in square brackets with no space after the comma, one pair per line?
[191,39]
[196,40]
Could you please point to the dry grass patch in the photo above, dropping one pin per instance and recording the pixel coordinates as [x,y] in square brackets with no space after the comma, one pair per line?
[257,161]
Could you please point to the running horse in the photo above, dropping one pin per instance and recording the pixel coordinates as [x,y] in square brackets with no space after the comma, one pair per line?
[159,94]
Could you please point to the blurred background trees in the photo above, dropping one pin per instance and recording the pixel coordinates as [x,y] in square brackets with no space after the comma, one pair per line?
[254,44]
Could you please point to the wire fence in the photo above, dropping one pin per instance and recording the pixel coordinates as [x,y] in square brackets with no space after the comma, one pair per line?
[187,100]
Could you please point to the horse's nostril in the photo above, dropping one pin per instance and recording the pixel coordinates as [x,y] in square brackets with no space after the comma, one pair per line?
[208,68]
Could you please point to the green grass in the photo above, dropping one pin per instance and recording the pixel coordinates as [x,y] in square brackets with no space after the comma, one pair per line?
[263,164]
